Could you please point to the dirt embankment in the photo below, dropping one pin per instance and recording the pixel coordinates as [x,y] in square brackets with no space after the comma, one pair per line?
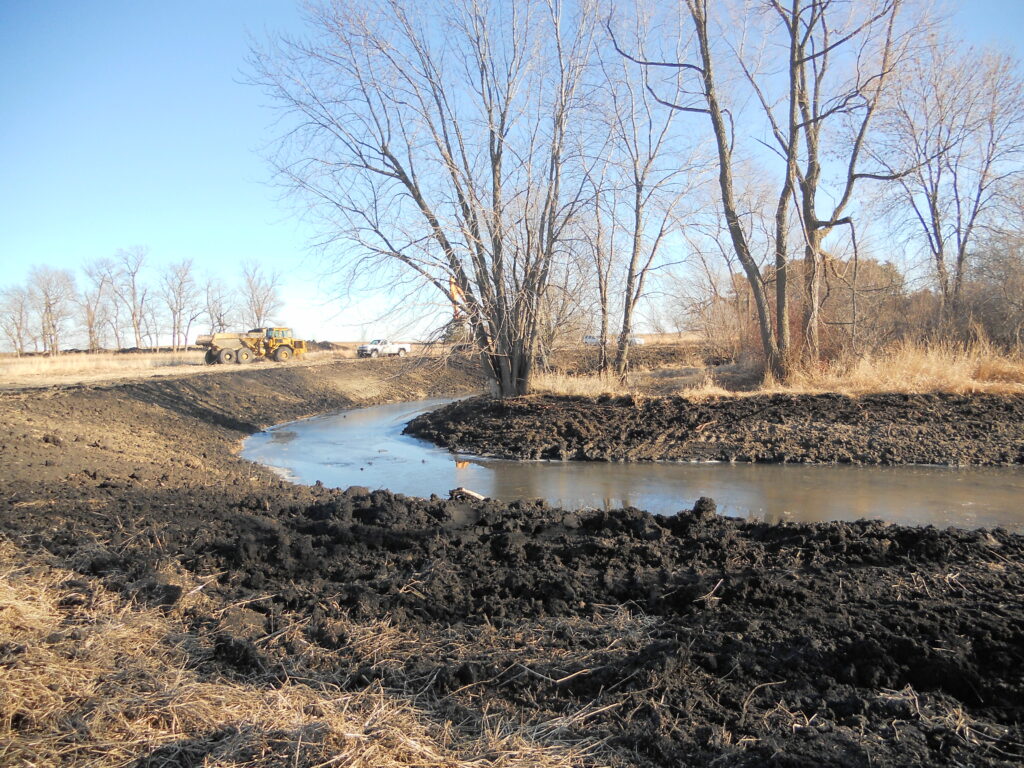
[577,361]
[182,432]
[692,640]
[874,429]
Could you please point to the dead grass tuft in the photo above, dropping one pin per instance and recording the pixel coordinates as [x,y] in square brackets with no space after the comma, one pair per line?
[941,715]
[88,678]
[706,387]
[592,385]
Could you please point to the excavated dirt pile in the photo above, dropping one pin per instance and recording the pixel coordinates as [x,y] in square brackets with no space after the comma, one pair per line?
[690,640]
[874,429]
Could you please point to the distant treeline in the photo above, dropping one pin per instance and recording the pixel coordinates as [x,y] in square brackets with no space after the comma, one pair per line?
[127,302]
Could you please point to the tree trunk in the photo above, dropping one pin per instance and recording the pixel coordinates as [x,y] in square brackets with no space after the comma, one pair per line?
[773,359]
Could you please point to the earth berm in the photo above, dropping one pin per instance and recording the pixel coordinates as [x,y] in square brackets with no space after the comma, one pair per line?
[779,428]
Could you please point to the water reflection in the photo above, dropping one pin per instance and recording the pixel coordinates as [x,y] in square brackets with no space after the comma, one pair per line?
[366,447]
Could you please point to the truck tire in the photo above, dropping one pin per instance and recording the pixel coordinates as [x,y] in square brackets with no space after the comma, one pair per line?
[401,353]
[243,355]
[374,352]
[210,357]
[226,356]
[282,354]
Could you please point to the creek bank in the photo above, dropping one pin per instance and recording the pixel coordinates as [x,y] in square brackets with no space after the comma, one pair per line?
[185,431]
[887,429]
[670,641]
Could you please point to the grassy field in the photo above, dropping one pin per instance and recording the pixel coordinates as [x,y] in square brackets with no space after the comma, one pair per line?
[76,368]
[95,362]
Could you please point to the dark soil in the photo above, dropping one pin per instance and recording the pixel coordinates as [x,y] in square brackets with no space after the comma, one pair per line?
[874,429]
[693,640]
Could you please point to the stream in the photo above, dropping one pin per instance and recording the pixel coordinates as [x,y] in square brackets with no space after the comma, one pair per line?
[366,447]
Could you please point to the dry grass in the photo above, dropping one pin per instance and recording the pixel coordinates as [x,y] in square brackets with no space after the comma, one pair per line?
[99,366]
[904,368]
[96,362]
[706,388]
[683,337]
[84,367]
[112,362]
[89,679]
[915,368]
[584,386]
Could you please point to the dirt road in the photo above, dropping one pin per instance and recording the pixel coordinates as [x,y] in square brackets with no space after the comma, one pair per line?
[693,640]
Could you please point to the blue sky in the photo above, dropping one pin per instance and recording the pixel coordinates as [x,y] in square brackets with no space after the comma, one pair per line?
[129,123]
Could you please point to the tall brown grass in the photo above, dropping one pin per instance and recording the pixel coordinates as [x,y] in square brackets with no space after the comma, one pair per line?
[908,367]
[914,367]
[590,385]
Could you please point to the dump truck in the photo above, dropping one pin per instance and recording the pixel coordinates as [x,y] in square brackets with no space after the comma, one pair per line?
[278,344]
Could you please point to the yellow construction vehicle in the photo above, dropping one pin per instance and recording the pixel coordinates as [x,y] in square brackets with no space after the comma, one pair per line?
[278,344]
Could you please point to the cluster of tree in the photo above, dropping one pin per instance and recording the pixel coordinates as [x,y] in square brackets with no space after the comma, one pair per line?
[126,301]
[992,293]
[866,305]
[543,164]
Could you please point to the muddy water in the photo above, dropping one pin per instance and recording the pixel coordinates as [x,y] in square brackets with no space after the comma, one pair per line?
[366,447]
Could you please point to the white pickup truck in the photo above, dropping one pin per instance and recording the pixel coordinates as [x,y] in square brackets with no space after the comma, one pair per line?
[383,348]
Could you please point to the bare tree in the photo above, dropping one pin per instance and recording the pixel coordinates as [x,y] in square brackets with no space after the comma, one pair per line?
[710,286]
[776,346]
[563,311]
[130,289]
[598,237]
[52,299]
[219,305]
[840,58]
[443,160]
[94,302]
[957,123]
[703,97]
[113,315]
[259,294]
[182,299]
[16,318]
[653,167]
[993,289]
